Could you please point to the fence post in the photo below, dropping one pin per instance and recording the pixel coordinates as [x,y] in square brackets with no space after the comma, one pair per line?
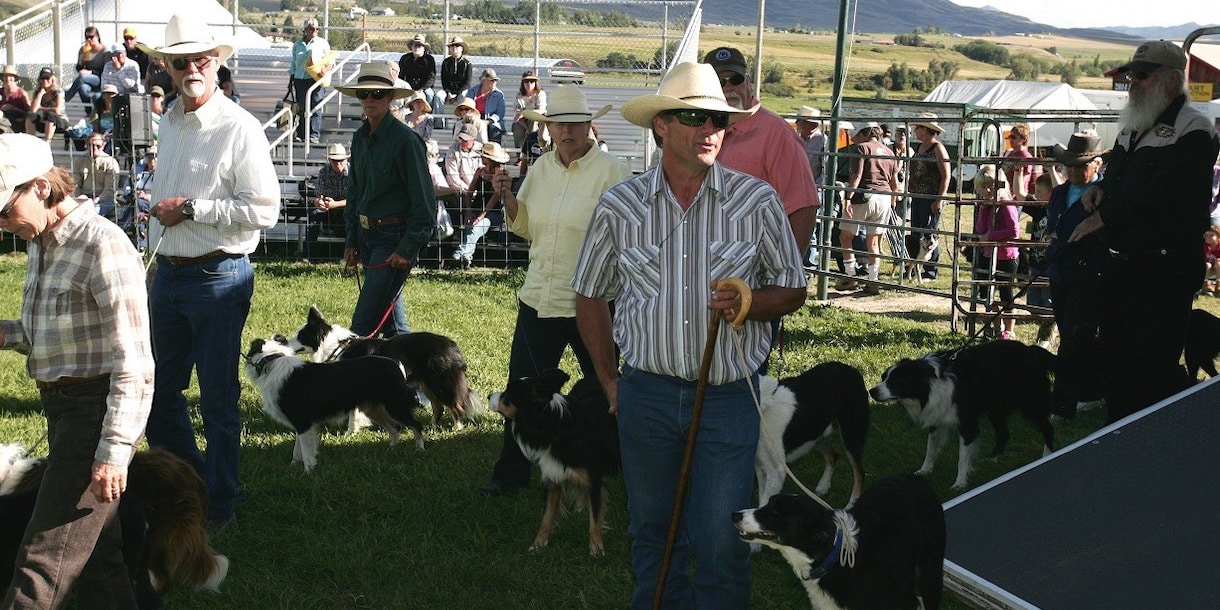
[537,34]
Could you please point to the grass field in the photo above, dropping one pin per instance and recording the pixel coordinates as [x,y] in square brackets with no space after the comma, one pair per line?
[381,527]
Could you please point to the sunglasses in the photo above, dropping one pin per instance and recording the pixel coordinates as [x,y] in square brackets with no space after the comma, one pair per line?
[696,118]
[377,94]
[1141,75]
[180,63]
[734,80]
[129,38]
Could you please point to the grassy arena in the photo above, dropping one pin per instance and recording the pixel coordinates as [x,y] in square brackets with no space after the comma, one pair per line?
[381,527]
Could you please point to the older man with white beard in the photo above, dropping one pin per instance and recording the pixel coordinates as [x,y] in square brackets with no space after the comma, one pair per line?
[1152,208]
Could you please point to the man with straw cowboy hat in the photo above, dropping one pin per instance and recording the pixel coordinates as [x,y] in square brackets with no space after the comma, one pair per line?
[552,211]
[216,189]
[390,202]
[656,243]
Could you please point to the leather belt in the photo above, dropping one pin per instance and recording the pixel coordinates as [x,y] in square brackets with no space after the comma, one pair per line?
[195,260]
[369,223]
[1138,256]
[67,381]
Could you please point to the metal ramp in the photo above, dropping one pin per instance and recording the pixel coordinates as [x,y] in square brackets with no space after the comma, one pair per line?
[1128,517]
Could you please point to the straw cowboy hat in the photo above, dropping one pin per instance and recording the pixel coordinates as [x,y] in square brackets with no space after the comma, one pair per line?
[187,37]
[418,96]
[374,76]
[495,152]
[688,86]
[808,114]
[11,70]
[457,40]
[465,103]
[1083,147]
[567,104]
[419,40]
[336,152]
[927,120]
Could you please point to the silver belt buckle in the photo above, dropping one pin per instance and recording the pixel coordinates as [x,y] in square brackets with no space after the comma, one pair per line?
[364,221]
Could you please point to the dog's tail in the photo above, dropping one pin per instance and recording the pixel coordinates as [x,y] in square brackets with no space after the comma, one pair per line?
[17,472]
[175,502]
[473,406]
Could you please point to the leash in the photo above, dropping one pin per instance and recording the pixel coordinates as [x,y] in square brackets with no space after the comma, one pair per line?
[389,309]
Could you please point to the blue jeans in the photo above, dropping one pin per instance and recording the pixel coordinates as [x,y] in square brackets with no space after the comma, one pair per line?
[382,283]
[301,87]
[435,99]
[653,420]
[472,233]
[86,86]
[198,312]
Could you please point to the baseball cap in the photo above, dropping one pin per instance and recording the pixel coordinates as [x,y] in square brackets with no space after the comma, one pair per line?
[156,90]
[118,49]
[469,131]
[45,72]
[129,32]
[1151,55]
[726,58]
[23,157]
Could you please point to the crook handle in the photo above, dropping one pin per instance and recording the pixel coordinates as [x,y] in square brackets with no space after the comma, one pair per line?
[743,290]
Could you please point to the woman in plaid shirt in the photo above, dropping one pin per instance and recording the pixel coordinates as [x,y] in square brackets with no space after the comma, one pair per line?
[84,324]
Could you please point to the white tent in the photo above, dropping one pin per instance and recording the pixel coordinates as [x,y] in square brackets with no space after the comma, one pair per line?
[1019,95]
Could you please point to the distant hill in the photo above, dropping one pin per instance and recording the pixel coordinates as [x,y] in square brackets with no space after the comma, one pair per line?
[1173,32]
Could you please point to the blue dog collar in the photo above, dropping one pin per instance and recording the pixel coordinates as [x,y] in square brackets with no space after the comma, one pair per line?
[831,558]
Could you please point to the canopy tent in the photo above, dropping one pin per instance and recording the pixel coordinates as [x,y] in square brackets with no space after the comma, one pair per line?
[1020,95]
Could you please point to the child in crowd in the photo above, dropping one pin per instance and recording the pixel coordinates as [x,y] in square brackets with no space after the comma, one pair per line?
[1211,248]
[1040,296]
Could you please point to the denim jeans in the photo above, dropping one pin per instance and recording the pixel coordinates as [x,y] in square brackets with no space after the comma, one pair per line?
[88,86]
[922,217]
[301,87]
[471,234]
[381,283]
[198,312]
[435,99]
[654,413]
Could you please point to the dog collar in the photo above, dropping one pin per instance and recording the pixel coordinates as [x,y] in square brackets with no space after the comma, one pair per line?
[831,558]
[262,363]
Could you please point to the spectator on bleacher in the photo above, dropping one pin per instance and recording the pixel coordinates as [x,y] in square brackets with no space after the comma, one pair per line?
[141,196]
[102,118]
[482,203]
[420,117]
[307,52]
[98,177]
[135,53]
[526,133]
[14,100]
[48,104]
[551,211]
[224,78]
[332,186]
[418,69]
[489,101]
[439,182]
[456,70]
[398,105]
[466,113]
[464,159]
[90,61]
[159,76]
[121,72]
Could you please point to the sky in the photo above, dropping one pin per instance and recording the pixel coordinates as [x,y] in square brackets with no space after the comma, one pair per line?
[1103,13]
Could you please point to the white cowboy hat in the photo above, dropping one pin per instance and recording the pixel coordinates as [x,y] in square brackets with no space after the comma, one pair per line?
[373,76]
[927,120]
[688,86]
[187,37]
[22,158]
[418,96]
[567,104]
[336,152]
[495,152]
[808,114]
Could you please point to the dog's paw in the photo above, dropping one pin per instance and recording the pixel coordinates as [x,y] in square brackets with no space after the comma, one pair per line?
[596,550]
[958,485]
[538,545]
[923,472]
[419,443]
[822,490]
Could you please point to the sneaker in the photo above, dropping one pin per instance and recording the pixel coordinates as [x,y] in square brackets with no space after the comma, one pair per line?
[1008,335]
[861,271]
[928,275]
[314,140]
[846,284]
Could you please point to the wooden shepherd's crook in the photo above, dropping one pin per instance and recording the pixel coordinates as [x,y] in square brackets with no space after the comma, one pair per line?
[705,368]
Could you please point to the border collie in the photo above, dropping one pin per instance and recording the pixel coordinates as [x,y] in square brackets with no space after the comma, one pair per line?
[162,515]
[433,362]
[304,395]
[800,414]
[1202,344]
[913,268]
[574,441]
[878,555]
[948,392]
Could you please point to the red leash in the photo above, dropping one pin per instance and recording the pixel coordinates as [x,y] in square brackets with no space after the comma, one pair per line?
[390,309]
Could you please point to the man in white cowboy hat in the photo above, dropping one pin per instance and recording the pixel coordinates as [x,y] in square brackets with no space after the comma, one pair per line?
[216,190]
[418,68]
[551,211]
[308,51]
[391,205]
[656,244]
[809,128]
[456,71]
[1152,209]
[330,197]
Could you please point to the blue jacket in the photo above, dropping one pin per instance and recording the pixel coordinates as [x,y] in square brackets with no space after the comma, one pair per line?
[495,105]
[1069,262]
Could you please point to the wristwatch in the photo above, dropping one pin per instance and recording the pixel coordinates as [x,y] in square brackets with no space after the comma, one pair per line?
[188,209]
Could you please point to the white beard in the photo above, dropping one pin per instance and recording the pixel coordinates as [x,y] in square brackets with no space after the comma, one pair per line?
[1145,104]
[193,89]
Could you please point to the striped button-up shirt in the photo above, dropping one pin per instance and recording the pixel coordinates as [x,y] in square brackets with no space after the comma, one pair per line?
[657,262]
[553,210]
[84,314]
[218,156]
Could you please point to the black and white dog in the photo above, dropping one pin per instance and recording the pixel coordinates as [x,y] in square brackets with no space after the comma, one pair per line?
[162,515]
[304,395]
[949,392]
[801,414]
[1202,344]
[433,362]
[573,439]
[878,555]
[913,268]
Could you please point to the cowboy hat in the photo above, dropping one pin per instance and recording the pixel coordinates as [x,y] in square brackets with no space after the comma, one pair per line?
[927,120]
[495,152]
[457,40]
[567,104]
[808,114]
[465,103]
[22,158]
[418,96]
[489,73]
[687,86]
[373,76]
[418,40]
[11,70]
[1083,147]
[336,152]
[187,37]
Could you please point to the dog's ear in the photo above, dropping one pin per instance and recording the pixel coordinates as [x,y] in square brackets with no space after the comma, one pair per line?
[315,315]
[281,339]
[256,346]
[555,378]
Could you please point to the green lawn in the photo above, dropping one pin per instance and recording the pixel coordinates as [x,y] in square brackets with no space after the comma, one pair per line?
[382,527]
